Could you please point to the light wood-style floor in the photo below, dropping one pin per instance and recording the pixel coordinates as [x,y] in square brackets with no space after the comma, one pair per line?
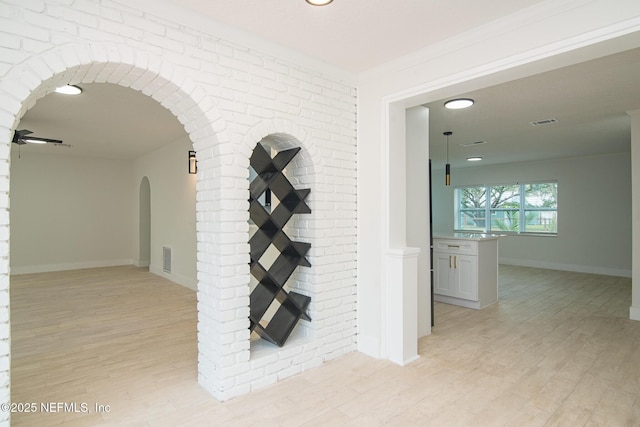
[557,350]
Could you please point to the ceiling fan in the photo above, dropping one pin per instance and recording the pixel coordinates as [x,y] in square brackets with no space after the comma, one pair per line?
[20,137]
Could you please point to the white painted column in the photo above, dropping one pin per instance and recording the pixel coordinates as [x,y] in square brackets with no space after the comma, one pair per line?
[634,310]
[418,224]
[402,304]
[400,286]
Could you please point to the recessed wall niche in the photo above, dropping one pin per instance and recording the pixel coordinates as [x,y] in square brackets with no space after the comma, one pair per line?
[274,308]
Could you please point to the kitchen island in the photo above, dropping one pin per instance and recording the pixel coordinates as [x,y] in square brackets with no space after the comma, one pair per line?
[465,269]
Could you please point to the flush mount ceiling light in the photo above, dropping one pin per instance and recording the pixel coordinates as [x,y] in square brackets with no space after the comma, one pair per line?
[318,2]
[69,90]
[474,159]
[459,103]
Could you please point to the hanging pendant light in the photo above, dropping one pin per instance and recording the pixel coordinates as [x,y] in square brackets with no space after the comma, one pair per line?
[447,168]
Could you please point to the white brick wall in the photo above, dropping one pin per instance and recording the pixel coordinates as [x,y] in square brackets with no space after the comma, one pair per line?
[228,97]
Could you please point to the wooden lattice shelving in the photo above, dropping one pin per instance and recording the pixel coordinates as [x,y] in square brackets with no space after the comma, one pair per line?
[292,306]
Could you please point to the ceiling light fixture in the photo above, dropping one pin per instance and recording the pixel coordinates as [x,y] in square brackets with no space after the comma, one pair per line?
[69,90]
[447,168]
[459,103]
[474,159]
[318,2]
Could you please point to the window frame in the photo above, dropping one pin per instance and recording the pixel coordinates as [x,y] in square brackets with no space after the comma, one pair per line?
[488,219]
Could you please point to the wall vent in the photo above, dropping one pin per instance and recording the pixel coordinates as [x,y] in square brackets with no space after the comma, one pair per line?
[544,122]
[166,259]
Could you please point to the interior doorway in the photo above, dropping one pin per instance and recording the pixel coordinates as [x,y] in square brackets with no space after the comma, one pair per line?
[85,209]
[144,258]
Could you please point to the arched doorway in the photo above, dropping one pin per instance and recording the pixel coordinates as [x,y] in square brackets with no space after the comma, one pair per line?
[158,85]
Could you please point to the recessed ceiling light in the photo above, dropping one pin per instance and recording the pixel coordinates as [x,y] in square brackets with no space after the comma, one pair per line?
[319,2]
[69,90]
[474,159]
[456,104]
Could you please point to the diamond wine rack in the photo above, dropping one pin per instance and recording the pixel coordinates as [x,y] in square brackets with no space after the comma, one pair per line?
[291,306]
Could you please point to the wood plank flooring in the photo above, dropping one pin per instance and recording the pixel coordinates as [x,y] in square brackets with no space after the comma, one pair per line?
[557,350]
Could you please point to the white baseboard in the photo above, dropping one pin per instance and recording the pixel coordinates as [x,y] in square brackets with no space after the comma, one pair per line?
[634,313]
[369,346]
[30,269]
[187,282]
[591,269]
[139,263]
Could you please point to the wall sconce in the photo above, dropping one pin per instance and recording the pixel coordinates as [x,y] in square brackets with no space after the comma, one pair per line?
[193,163]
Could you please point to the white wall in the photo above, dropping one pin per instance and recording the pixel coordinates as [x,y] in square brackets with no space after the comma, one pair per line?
[69,212]
[594,212]
[173,209]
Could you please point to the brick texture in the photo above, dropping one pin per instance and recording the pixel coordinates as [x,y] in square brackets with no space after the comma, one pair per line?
[229,97]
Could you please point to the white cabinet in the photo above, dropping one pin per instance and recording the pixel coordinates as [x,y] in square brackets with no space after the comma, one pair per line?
[465,271]
[455,275]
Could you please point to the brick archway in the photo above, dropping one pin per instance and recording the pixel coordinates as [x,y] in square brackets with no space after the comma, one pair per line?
[117,64]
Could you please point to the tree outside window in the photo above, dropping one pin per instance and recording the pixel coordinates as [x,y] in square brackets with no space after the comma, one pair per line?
[511,208]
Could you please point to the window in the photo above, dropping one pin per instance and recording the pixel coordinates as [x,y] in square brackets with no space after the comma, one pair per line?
[513,208]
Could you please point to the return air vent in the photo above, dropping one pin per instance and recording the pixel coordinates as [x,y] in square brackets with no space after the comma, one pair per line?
[471,144]
[166,259]
[544,122]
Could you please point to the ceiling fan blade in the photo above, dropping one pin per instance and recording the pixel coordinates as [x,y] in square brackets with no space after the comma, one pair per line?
[37,140]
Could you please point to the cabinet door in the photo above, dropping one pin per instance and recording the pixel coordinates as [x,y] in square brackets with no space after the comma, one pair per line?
[442,274]
[465,272]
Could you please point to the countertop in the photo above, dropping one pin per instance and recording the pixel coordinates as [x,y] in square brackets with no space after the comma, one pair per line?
[468,236]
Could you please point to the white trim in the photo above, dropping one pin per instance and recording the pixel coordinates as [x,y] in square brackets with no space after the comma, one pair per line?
[461,302]
[401,306]
[46,268]
[634,313]
[179,279]
[369,345]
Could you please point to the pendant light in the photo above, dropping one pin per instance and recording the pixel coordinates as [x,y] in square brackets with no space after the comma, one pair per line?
[447,168]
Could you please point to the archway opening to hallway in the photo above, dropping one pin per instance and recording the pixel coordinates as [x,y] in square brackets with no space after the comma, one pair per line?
[85,318]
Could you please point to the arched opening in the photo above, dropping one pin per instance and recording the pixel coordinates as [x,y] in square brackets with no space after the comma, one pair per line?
[88,207]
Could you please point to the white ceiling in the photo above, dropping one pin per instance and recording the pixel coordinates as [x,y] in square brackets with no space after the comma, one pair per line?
[106,120]
[589,100]
[354,34]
